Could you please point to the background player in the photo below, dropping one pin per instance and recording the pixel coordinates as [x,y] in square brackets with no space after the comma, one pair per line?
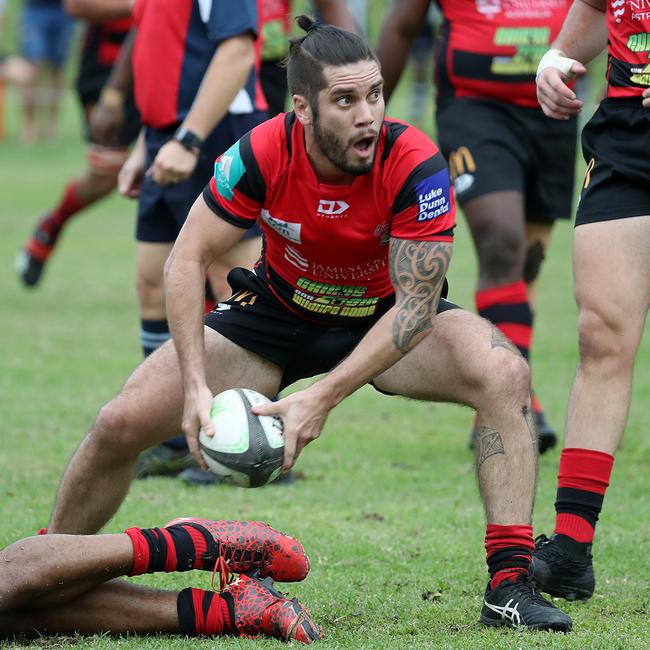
[513,169]
[102,44]
[611,270]
[57,584]
[364,301]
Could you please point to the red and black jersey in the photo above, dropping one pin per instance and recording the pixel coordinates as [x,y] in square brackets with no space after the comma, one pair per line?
[100,47]
[326,246]
[491,48]
[628,26]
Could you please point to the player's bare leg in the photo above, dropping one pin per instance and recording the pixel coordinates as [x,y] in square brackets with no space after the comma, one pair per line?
[466,360]
[612,289]
[147,411]
[538,238]
[508,265]
[245,253]
[65,584]
[150,264]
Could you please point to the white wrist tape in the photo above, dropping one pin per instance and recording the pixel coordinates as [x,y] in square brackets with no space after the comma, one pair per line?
[556,59]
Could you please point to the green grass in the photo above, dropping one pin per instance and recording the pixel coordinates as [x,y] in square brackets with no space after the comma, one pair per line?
[387,504]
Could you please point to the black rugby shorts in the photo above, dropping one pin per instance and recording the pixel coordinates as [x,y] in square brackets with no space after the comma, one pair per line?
[256,321]
[615,148]
[492,146]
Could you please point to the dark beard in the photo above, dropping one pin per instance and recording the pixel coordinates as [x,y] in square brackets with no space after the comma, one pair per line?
[334,150]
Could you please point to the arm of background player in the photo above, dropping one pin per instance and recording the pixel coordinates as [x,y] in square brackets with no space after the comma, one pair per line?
[224,78]
[418,271]
[98,10]
[203,238]
[336,12]
[582,37]
[398,31]
[107,116]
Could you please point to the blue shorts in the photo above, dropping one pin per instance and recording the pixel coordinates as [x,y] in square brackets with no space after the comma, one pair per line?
[162,210]
[46,34]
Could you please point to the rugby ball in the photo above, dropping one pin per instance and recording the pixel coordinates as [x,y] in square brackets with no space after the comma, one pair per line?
[246,449]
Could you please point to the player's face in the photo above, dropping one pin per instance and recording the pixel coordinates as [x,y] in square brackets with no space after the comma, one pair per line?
[349,115]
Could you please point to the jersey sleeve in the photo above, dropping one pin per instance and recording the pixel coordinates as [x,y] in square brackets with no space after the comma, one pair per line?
[225,19]
[423,204]
[237,189]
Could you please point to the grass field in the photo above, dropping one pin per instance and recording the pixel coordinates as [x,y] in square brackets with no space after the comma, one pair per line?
[386,503]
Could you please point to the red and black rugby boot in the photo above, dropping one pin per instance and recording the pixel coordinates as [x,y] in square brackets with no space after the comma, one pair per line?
[243,546]
[258,609]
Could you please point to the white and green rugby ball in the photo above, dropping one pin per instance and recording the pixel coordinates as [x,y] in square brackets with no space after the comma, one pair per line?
[246,449]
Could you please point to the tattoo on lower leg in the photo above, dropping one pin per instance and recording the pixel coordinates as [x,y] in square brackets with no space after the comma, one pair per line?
[489,443]
[529,419]
[500,340]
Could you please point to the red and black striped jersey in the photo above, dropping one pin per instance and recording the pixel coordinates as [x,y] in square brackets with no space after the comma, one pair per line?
[628,26]
[491,48]
[325,252]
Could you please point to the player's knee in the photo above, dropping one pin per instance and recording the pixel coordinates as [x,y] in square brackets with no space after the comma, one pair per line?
[499,256]
[604,337]
[507,378]
[150,290]
[114,432]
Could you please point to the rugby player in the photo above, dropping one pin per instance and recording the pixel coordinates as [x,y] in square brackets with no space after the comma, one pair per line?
[611,270]
[358,216]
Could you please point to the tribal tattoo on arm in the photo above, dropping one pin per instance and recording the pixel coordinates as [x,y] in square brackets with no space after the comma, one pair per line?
[417,270]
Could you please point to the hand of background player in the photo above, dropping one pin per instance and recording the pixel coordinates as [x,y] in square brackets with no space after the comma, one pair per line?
[303,417]
[173,164]
[646,97]
[196,415]
[555,97]
[129,180]
[105,124]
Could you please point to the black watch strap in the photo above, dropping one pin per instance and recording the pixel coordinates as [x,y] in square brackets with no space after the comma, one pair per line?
[188,139]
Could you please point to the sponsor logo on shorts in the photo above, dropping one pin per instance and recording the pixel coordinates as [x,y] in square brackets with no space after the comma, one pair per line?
[228,170]
[433,194]
[334,299]
[332,209]
[288,230]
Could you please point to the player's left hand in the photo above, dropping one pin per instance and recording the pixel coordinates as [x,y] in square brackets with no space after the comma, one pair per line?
[303,417]
[173,164]
[646,97]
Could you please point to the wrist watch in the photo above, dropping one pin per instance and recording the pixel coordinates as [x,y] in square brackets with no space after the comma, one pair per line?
[188,139]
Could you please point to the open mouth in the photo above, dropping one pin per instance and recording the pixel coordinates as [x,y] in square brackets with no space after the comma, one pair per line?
[363,146]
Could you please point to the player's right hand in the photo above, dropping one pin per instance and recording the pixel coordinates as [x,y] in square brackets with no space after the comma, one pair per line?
[555,97]
[196,416]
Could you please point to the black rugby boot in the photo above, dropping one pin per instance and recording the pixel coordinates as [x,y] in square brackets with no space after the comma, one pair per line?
[518,604]
[563,567]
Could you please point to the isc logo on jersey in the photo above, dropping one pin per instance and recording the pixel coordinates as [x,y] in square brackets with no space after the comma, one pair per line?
[228,170]
[433,195]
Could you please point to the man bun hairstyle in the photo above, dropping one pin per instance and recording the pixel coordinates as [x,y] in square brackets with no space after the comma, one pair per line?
[322,45]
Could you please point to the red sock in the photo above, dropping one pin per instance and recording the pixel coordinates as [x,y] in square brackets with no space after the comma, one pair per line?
[509,309]
[52,224]
[175,548]
[508,550]
[204,613]
[583,478]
